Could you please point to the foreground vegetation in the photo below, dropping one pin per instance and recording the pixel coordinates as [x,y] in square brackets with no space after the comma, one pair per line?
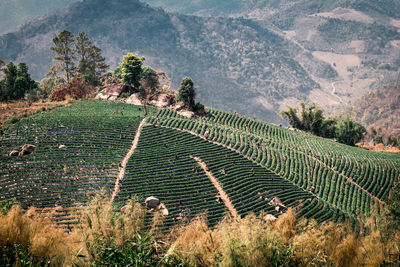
[107,236]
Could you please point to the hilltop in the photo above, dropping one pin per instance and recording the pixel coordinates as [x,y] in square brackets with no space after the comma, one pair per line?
[254,62]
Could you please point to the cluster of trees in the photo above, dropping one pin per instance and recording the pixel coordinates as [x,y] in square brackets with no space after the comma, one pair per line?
[75,57]
[79,67]
[16,81]
[146,80]
[311,119]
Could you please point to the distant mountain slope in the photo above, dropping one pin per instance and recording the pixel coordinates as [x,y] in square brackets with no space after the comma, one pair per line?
[379,108]
[359,39]
[235,63]
[13,13]
[258,57]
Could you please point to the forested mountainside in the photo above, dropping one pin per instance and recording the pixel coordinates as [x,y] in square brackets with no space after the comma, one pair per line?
[378,108]
[358,39]
[13,13]
[258,57]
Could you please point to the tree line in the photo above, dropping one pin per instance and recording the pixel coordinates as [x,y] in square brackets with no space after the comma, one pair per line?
[311,119]
[79,66]
[76,58]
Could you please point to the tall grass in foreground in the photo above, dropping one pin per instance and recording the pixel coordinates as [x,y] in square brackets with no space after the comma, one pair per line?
[110,237]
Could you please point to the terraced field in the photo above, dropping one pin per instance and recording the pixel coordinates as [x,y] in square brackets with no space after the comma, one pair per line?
[251,161]
[96,135]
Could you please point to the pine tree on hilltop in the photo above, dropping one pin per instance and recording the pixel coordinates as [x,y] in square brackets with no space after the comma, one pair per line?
[63,47]
[91,65]
[187,92]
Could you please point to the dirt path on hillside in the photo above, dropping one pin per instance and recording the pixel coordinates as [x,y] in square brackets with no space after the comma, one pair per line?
[334,91]
[239,152]
[121,173]
[222,194]
[312,157]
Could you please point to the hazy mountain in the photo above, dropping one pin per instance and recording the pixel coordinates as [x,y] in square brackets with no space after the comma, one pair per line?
[256,58]
[235,63]
[359,39]
[13,13]
[378,108]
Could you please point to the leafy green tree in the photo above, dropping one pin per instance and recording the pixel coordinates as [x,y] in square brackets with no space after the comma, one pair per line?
[187,92]
[291,116]
[149,80]
[349,132]
[131,69]
[16,82]
[311,120]
[10,74]
[63,47]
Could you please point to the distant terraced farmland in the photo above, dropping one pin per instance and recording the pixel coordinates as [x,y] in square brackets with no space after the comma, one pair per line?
[251,161]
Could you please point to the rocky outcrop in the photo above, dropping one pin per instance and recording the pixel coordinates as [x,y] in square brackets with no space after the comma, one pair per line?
[277,203]
[27,149]
[161,100]
[152,203]
[14,153]
[134,99]
[186,113]
[270,218]
[113,91]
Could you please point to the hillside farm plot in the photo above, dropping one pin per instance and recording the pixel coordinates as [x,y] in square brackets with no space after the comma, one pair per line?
[78,151]
[220,163]
[344,178]
[163,166]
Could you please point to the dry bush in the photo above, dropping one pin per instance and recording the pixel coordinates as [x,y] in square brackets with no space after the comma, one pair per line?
[326,244]
[193,243]
[113,237]
[286,225]
[250,241]
[76,89]
[36,237]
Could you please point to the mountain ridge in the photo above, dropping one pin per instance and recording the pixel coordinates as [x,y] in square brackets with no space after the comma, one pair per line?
[247,64]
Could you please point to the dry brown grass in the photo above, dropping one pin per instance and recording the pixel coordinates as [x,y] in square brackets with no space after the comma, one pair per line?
[248,241]
[37,234]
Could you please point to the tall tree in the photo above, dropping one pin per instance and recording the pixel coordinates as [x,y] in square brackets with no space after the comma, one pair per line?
[131,69]
[63,47]
[187,92]
[97,65]
[149,84]
[82,47]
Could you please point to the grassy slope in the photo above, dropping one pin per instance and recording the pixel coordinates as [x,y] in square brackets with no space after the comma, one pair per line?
[333,181]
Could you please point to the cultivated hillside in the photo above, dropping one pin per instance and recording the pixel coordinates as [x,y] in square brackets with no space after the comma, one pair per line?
[223,162]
